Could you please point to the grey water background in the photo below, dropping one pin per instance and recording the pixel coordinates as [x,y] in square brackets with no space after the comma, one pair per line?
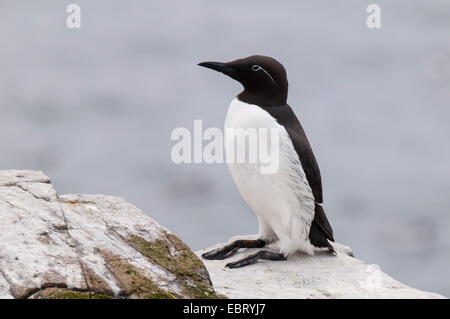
[94,108]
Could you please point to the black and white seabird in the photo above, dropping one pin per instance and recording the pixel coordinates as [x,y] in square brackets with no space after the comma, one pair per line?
[288,203]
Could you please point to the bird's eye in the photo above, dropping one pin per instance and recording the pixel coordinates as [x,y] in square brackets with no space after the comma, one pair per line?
[256,68]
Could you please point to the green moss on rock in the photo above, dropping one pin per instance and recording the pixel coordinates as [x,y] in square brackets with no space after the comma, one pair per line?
[176,257]
[100,296]
[133,282]
[60,293]
[145,288]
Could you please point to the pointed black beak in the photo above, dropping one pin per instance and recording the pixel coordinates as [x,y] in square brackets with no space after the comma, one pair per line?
[219,66]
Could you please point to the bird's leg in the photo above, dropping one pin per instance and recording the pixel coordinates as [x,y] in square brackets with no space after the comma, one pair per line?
[231,249]
[262,254]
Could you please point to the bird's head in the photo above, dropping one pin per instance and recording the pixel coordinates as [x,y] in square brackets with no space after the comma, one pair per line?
[263,78]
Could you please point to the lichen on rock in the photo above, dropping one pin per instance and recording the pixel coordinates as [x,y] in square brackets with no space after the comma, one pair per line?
[88,246]
[176,257]
[62,293]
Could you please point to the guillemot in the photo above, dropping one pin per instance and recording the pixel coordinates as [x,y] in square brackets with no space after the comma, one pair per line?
[288,203]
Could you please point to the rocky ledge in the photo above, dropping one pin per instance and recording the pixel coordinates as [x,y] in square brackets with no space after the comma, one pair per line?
[320,276]
[88,246]
[96,246]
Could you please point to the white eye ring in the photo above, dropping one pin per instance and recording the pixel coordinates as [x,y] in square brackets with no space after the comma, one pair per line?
[256,68]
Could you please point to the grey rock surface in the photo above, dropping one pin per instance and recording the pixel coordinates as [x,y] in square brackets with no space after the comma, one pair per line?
[88,246]
[301,276]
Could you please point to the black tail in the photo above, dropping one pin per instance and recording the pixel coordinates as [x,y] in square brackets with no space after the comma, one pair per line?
[321,232]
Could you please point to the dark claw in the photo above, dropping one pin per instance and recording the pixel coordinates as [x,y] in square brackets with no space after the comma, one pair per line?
[221,253]
[242,262]
[217,254]
[208,255]
[230,249]
[230,253]
[249,260]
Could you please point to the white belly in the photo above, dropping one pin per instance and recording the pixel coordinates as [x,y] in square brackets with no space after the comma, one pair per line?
[283,201]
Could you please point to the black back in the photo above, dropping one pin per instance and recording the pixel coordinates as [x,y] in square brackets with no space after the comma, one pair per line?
[285,116]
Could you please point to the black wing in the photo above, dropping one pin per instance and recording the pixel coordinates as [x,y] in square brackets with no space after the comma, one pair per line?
[320,228]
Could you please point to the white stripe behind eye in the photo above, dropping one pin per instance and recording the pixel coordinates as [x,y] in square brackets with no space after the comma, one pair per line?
[257,68]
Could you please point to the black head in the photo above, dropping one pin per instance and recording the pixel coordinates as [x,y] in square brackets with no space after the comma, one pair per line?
[264,79]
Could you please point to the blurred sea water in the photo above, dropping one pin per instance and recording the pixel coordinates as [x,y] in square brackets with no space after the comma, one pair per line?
[94,108]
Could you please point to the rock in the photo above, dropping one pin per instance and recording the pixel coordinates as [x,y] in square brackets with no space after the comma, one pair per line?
[88,246]
[302,276]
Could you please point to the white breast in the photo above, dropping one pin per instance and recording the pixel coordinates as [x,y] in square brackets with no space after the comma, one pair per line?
[283,201]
